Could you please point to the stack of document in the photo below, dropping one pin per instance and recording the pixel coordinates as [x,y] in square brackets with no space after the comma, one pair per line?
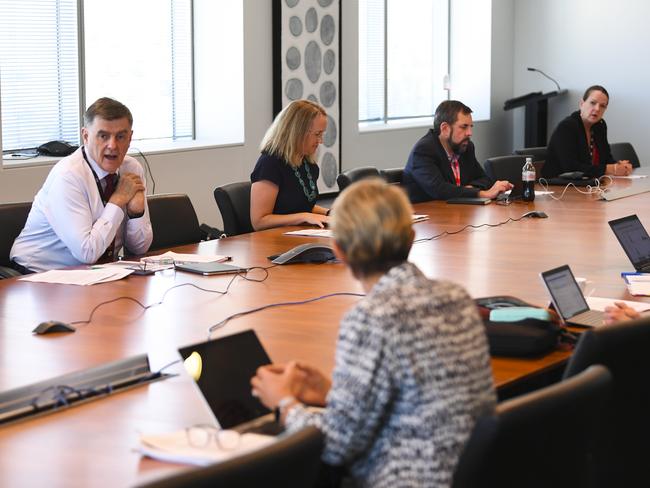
[174,447]
[328,232]
[310,233]
[79,276]
[638,284]
[175,257]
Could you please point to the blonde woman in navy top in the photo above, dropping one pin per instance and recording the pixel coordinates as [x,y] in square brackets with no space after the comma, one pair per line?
[284,190]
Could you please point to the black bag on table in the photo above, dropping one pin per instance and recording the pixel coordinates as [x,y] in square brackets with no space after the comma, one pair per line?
[523,338]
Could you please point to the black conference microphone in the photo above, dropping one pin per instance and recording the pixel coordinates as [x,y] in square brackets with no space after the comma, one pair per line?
[547,76]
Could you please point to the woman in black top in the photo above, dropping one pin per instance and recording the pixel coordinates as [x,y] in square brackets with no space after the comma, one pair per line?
[284,190]
[579,143]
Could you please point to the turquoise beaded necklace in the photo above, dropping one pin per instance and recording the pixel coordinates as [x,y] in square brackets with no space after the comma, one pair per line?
[311,195]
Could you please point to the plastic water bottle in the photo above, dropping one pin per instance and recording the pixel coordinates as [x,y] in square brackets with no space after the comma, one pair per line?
[528,179]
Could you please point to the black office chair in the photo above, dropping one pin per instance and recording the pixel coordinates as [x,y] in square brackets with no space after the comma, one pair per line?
[540,439]
[350,176]
[505,168]
[537,153]
[234,202]
[392,175]
[622,460]
[173,220]
[12,220]
[292,461]
[625,151]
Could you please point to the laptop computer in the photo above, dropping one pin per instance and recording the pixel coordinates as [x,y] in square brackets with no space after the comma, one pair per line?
[516,193]
[634,240]
[568,300]
[227,366]
[208,269]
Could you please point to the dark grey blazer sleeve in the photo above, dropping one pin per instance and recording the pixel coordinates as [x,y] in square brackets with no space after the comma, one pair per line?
[431,180]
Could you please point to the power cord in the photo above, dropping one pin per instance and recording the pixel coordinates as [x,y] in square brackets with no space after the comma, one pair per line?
[146,161]
[221,324]
[147,307]
[473,226]
[590,190]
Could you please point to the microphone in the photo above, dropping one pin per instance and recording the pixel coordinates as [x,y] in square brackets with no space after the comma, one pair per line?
[545,75]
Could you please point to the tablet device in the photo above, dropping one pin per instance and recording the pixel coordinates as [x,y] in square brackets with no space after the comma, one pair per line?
[469,200]
[226,366]
[208,269]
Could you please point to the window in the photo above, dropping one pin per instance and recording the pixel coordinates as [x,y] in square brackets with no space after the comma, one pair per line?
[38,72]
[415,54]
[144,53]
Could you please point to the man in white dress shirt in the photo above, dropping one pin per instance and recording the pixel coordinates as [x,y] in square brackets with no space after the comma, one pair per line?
[92,203]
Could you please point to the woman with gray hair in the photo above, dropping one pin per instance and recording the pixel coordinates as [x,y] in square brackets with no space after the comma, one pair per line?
[412,369]
[284,190]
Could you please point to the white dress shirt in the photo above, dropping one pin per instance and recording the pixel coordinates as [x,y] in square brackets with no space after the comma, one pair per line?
[69,225]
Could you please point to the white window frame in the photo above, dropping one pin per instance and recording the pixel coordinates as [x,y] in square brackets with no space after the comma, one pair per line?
[395,123]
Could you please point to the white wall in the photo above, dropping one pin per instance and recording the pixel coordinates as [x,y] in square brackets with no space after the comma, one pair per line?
[197,172]
[582,43]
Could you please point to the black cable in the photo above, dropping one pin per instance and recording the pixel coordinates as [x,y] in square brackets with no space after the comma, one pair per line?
[162,299]
[146,161]
[473,226]
[218,325]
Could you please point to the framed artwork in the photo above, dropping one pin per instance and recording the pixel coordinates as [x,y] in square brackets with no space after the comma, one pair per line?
[306,65]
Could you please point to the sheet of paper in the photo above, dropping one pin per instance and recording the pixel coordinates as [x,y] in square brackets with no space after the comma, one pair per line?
[630,177]
[81,277]
[310,233]
[187,258]
[174,447]
[639,289]
[598,303]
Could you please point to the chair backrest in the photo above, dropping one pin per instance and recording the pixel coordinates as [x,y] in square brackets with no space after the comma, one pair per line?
[350,176]
[12,221]
[505,168]
[173,220]
[537,153]
[393,175]
[540,439]
[623,348]
[234,202]
[292,461]
[625,151]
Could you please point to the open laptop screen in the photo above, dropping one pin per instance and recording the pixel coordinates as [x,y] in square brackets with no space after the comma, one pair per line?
[227,366]
[565,292]
[633,238]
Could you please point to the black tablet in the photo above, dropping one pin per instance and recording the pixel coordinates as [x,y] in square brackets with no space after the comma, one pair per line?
[209,268]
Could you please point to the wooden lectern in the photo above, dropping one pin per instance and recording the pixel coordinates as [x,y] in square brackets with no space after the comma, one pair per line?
[536,114]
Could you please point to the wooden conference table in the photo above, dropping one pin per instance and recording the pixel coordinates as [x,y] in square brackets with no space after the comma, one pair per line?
[91,444]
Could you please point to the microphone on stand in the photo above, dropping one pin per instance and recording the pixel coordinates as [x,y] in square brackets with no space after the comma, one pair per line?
[545,75]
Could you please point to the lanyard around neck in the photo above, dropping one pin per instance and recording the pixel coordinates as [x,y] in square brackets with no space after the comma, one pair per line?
[97,181]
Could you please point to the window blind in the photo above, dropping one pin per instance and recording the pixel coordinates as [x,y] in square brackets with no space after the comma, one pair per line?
[38,72]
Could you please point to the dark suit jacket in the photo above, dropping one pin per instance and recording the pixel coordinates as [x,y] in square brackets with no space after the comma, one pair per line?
[568,150]
[428,174]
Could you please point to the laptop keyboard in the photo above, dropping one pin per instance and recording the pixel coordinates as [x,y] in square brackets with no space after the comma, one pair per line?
[593,318]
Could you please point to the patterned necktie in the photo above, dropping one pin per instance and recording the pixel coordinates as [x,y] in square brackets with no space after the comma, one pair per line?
[109,186]
[455,168]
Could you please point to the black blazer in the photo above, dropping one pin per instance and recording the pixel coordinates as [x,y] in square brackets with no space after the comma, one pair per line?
[568,150]
[428,174]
